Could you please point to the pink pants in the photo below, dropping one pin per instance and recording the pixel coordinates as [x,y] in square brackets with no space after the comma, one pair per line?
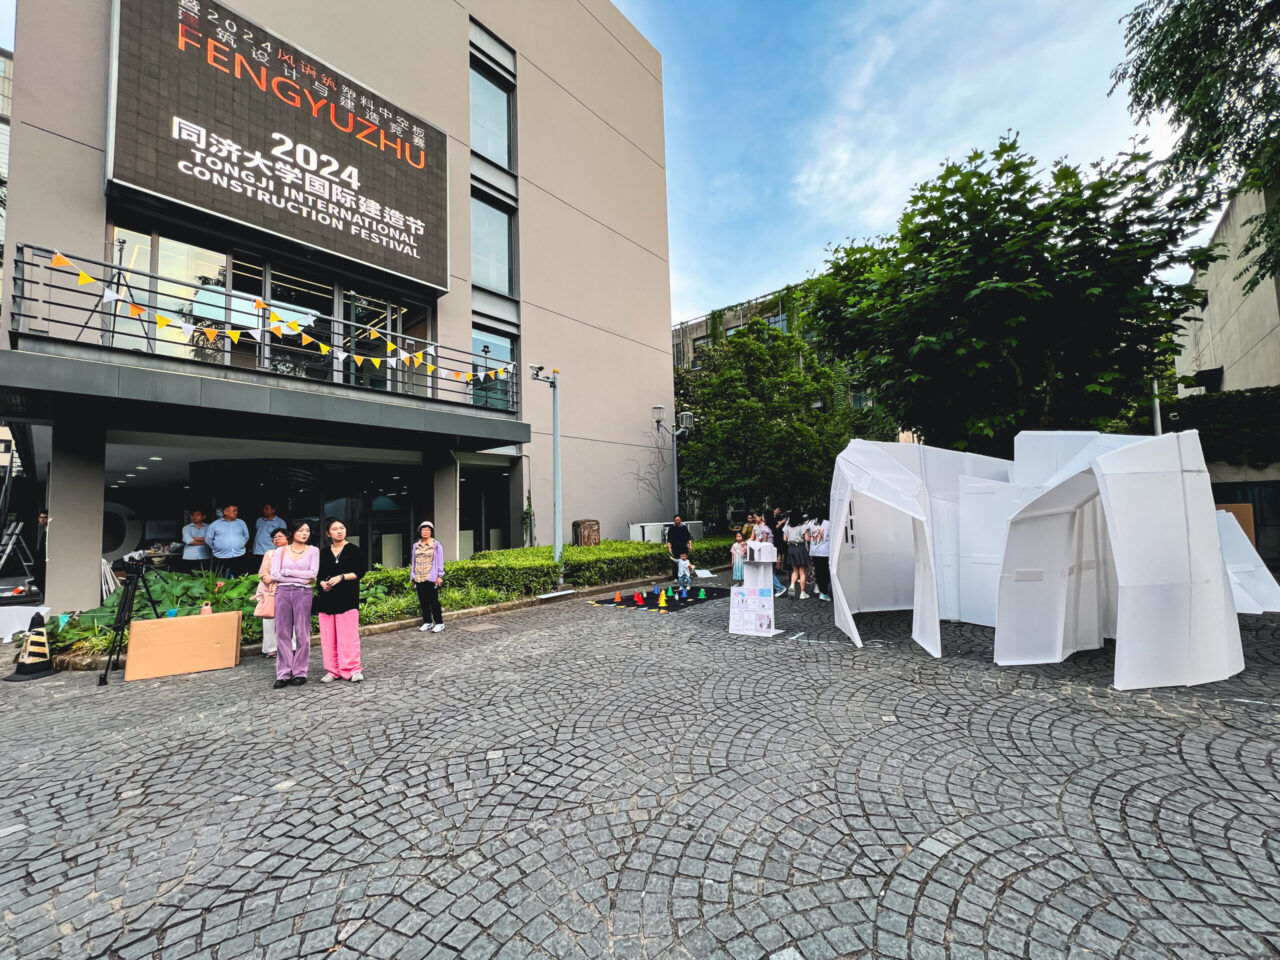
[340,643]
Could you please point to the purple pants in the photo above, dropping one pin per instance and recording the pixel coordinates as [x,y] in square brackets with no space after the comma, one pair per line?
[293,631]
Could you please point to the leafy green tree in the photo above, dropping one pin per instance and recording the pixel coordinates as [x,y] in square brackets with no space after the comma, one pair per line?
[1011,300]
[1211,66]
[770,419]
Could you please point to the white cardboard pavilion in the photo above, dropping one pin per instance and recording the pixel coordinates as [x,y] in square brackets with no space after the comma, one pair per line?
[1081,536]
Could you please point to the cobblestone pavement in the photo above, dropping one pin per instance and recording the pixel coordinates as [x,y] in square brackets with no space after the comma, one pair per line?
[572,781]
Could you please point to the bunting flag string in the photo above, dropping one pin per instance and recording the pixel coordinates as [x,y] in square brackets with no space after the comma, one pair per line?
[277,325]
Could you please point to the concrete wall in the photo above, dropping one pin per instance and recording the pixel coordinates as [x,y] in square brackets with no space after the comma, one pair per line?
[1239,333]
[592,249]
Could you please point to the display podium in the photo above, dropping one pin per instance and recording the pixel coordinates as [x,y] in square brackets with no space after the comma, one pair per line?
[751,605]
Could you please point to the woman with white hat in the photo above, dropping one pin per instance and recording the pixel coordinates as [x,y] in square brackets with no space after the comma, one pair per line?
[427,573]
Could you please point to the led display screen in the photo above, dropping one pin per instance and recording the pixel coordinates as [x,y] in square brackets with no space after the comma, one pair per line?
[213,111]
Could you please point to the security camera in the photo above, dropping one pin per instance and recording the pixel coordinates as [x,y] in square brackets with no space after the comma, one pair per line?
[537,367]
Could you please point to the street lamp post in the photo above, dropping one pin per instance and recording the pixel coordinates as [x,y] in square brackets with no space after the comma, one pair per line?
[682,426]
[554,382]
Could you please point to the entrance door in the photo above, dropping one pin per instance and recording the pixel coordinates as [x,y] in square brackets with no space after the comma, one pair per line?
[484,504]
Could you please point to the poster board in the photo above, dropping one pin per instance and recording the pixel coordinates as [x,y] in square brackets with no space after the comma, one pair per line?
[174,645]
[751,612]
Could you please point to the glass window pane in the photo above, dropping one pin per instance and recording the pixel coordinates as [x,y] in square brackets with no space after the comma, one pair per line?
[365,316]
[490,247]
[493,352]
[490,120]
[308,302]
[191,293]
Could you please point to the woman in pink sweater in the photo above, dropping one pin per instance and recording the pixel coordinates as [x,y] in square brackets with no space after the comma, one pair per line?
[293,569]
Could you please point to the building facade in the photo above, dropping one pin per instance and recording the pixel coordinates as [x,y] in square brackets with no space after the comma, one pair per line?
[304,253]
[777,309]
[1236,343]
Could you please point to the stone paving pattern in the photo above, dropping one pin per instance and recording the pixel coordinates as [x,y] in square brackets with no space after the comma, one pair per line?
[578,782]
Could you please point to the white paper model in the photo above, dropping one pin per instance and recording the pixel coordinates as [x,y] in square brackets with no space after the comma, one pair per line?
[1082,536]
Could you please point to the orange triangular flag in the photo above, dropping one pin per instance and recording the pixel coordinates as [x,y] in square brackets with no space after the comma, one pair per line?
[457,375]
[278,331]
[374,334]
[234,335]
[358,360]
[84,278]
[306,340]
[324,348]
[492,374]
[137,311]
[430,369]
[293,325]
[211,333]
[161,322]
[417,360]
[59,260]
[377,362]
[259,305]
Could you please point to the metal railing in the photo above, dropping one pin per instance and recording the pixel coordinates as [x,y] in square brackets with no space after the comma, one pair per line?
[95,302]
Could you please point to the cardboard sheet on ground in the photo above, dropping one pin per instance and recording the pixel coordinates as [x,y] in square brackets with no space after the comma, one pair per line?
[1082,536]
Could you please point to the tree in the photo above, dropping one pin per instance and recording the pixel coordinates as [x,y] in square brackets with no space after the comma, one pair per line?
[770,420]
[1211,66]
[1008,300]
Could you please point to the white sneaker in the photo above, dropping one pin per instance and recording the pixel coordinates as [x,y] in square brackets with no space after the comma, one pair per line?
[328,678]
[357,677]
[425,626]
[791,590]
[780,593]
[803,595]
[437,628]
[823,596]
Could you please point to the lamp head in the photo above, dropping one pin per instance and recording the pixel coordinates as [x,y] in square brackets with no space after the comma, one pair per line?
[686,420]
[657,412]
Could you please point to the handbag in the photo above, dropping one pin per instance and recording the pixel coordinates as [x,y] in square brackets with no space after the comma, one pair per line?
[266,600]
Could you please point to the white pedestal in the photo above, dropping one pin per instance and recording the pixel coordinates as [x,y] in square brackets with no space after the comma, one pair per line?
[751,605]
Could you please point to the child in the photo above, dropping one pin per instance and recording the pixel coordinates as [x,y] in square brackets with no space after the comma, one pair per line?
[685,571]
[739,553]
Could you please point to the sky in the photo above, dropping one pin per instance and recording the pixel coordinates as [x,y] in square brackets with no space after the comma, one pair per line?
[793,126]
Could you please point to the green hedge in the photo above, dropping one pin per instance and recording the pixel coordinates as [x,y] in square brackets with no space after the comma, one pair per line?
[387,595]
[1240,427]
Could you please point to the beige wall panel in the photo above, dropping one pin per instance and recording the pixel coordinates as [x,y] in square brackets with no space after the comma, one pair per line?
[572,154]
[563,40]
[575,266]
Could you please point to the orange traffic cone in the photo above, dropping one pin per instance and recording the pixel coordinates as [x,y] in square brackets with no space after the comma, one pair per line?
[617,597]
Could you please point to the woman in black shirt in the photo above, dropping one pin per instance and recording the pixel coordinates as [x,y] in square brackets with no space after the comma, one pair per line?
[338,604]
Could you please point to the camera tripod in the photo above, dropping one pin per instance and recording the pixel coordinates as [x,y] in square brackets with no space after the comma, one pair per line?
[136,572]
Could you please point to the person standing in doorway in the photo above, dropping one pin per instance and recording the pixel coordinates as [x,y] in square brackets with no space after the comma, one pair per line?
[338,603]
[294,568]
[268,523]
[227,539]
[195,552]
[820,553]
[427,573]
[678,540]
[266,595]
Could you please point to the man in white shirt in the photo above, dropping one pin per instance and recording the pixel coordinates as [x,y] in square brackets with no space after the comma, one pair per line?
[820,554]
[195,553]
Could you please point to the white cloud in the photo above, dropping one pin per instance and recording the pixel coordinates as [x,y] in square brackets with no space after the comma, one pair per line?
[935,80]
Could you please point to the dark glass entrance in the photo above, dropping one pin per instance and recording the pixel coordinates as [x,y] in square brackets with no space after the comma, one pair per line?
[484,507]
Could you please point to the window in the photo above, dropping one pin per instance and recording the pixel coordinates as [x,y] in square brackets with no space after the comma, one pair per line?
[490,247]
[493,351]
[193,293]
[365,316]
[490,119]
[698,342]
[678,353]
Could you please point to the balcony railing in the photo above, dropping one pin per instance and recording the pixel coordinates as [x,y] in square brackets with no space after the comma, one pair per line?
[90,301]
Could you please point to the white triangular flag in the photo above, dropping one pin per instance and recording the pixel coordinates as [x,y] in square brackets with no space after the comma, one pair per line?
[341,354]
[249,332]
[109,296]
[187,329]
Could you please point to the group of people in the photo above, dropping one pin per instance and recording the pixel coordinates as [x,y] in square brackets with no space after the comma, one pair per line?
[225,544]
[297,577]
[802,540]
